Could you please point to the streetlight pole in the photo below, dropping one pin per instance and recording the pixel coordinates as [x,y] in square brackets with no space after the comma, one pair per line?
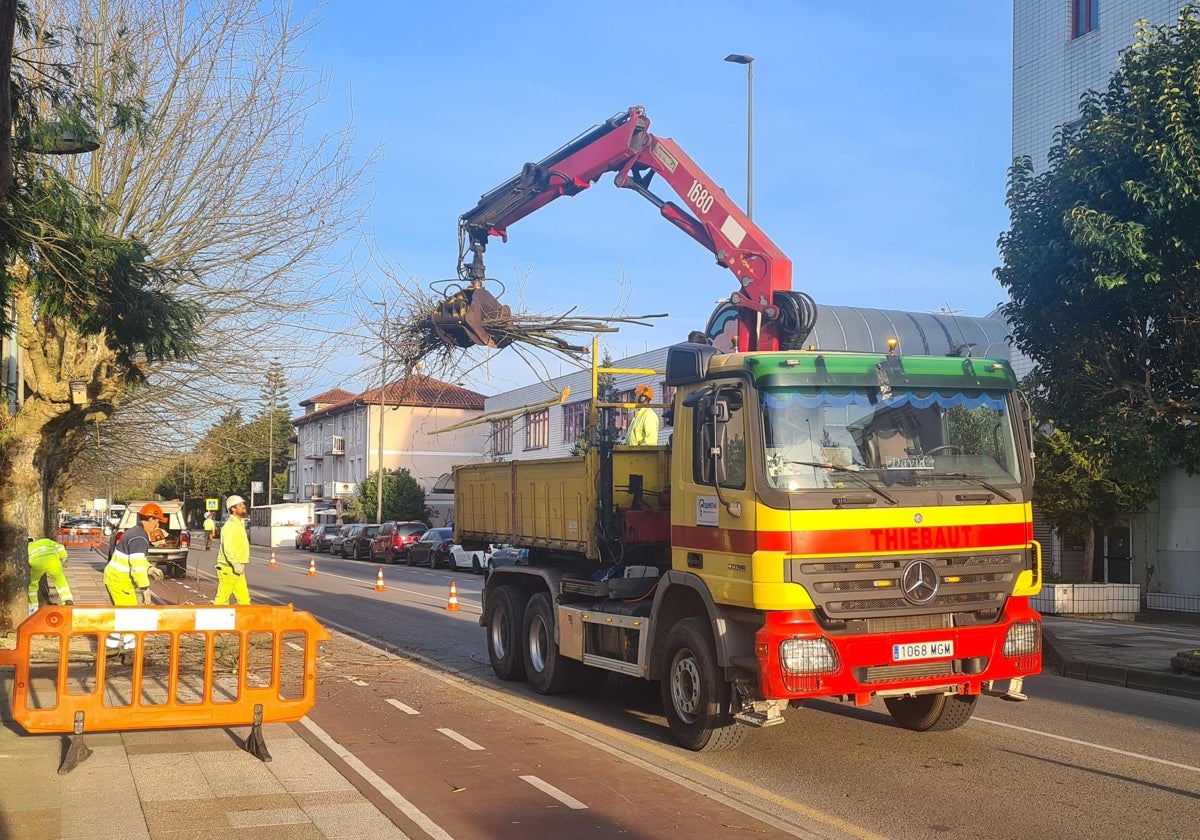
[748,60]
[383,334]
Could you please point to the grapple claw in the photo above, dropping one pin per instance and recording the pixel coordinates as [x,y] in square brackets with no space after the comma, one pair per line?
[459,320]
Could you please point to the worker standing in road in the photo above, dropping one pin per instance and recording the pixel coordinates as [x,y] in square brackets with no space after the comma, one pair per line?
[46,559]
[643,430]
[234,554]
[209,528]
[128,573]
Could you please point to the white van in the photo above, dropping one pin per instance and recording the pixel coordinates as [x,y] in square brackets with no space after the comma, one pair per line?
[172,557]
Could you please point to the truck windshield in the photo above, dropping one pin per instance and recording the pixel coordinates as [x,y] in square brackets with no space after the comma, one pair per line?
[914,437]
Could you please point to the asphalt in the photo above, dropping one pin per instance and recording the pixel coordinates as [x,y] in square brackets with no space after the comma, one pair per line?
[216,789]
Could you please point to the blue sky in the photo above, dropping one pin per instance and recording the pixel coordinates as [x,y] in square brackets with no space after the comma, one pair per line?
[882,137]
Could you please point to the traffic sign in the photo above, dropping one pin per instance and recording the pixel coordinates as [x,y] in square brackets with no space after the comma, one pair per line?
[211,504]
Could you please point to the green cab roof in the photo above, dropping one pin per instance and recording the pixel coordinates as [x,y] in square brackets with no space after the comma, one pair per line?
[843,369]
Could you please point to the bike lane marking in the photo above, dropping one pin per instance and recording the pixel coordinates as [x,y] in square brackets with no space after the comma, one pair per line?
[409,810]
[553,792]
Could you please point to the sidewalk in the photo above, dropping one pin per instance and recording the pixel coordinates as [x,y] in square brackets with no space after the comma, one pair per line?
[173,784]
[1134,654]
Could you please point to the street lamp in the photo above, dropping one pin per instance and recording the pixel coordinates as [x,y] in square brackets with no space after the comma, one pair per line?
[383,337]
[748,60]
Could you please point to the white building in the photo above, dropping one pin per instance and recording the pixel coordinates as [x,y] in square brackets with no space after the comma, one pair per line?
[338,437]
[1061,49]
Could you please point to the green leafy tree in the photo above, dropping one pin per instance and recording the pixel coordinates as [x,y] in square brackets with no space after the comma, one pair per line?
[403,498]
[1102,262]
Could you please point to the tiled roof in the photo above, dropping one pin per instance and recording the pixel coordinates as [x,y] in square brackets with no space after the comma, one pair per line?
[423,391]
[337,395]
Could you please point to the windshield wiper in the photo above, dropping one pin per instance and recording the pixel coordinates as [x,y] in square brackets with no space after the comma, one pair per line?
[846,471]
[981,482]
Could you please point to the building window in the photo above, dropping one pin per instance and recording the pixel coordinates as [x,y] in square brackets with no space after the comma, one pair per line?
[537,429]
[575,418]
[502,436]
[1085,16]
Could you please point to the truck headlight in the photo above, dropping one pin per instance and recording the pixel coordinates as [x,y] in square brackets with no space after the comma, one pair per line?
[807,656]
[1022,639]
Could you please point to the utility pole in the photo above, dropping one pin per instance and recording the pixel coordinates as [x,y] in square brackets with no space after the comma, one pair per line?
[383,336]
[271,432]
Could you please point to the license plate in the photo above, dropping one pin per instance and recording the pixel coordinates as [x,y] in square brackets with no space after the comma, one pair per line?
[923,650]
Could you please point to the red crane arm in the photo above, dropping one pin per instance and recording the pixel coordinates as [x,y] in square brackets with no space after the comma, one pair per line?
[623,144]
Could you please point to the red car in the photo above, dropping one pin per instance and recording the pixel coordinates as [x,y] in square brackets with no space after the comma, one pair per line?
[304,535]
[392,542]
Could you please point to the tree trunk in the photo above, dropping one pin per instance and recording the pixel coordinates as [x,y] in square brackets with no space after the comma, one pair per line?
[22,514]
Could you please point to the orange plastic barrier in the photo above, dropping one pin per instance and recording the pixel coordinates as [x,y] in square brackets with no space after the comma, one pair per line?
[79,537]
[178,667]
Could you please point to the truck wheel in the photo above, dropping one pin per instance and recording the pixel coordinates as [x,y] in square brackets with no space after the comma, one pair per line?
[547,671]
[695,698]
[176,570]
[931,712]
[506,609]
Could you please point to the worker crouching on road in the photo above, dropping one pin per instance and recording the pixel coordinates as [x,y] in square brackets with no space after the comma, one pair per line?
[643,429]
[46,560]
[234,555]
[128,573]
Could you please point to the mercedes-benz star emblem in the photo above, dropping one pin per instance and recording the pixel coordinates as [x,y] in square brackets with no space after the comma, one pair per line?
[919,582]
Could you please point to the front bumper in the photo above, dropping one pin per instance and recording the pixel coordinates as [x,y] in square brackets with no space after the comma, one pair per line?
[862,666]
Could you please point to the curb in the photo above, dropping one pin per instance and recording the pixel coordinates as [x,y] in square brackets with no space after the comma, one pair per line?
[1177,685]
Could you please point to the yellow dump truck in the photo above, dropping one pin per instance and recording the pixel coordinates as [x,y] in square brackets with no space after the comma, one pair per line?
[822,524]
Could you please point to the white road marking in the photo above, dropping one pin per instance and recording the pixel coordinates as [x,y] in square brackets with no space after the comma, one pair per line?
[294,646]
[390,793]
[1076,741]
[408,710]
[551,790]
[462,739]
[354,680]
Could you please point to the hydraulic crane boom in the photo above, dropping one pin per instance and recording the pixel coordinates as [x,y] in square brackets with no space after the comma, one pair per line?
[771,316]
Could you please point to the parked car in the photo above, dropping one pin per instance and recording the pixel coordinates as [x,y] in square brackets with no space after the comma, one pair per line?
[357,543]
[304,535]
[391,543]
[326,536]
[476,560]
[172,553]
[433,549]
[507,555]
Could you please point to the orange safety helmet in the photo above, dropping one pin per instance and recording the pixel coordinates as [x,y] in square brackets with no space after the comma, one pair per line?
[644,391]
[151,510]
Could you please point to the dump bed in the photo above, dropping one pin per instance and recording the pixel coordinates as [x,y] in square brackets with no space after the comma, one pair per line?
[550,503]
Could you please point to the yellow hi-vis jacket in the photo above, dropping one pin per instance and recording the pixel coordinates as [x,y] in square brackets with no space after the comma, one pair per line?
[46,559]
[643,430]
[129,568]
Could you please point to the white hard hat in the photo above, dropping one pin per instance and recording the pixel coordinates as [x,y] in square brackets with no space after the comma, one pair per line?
[233,501]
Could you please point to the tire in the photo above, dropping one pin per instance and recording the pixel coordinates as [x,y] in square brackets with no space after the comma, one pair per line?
[931,712]
[476,566]
[546,669]
[696,700]
[506,614]
[388,557]
[357,553]
[176,570]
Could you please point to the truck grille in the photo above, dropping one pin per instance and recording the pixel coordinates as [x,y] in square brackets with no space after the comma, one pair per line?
[872,587]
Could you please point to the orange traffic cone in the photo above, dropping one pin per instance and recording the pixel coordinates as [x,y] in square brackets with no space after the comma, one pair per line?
[273,563]
[312,566]
[379,587]
[452,604]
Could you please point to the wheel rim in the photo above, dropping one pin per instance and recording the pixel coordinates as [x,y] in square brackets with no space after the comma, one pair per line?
[685,686]
[499,637]
[539,640]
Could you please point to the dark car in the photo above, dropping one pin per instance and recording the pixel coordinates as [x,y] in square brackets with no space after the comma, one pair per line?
[326,537]
[507,555]
[357,543]
[391,543]
[304,535]
[433,549]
